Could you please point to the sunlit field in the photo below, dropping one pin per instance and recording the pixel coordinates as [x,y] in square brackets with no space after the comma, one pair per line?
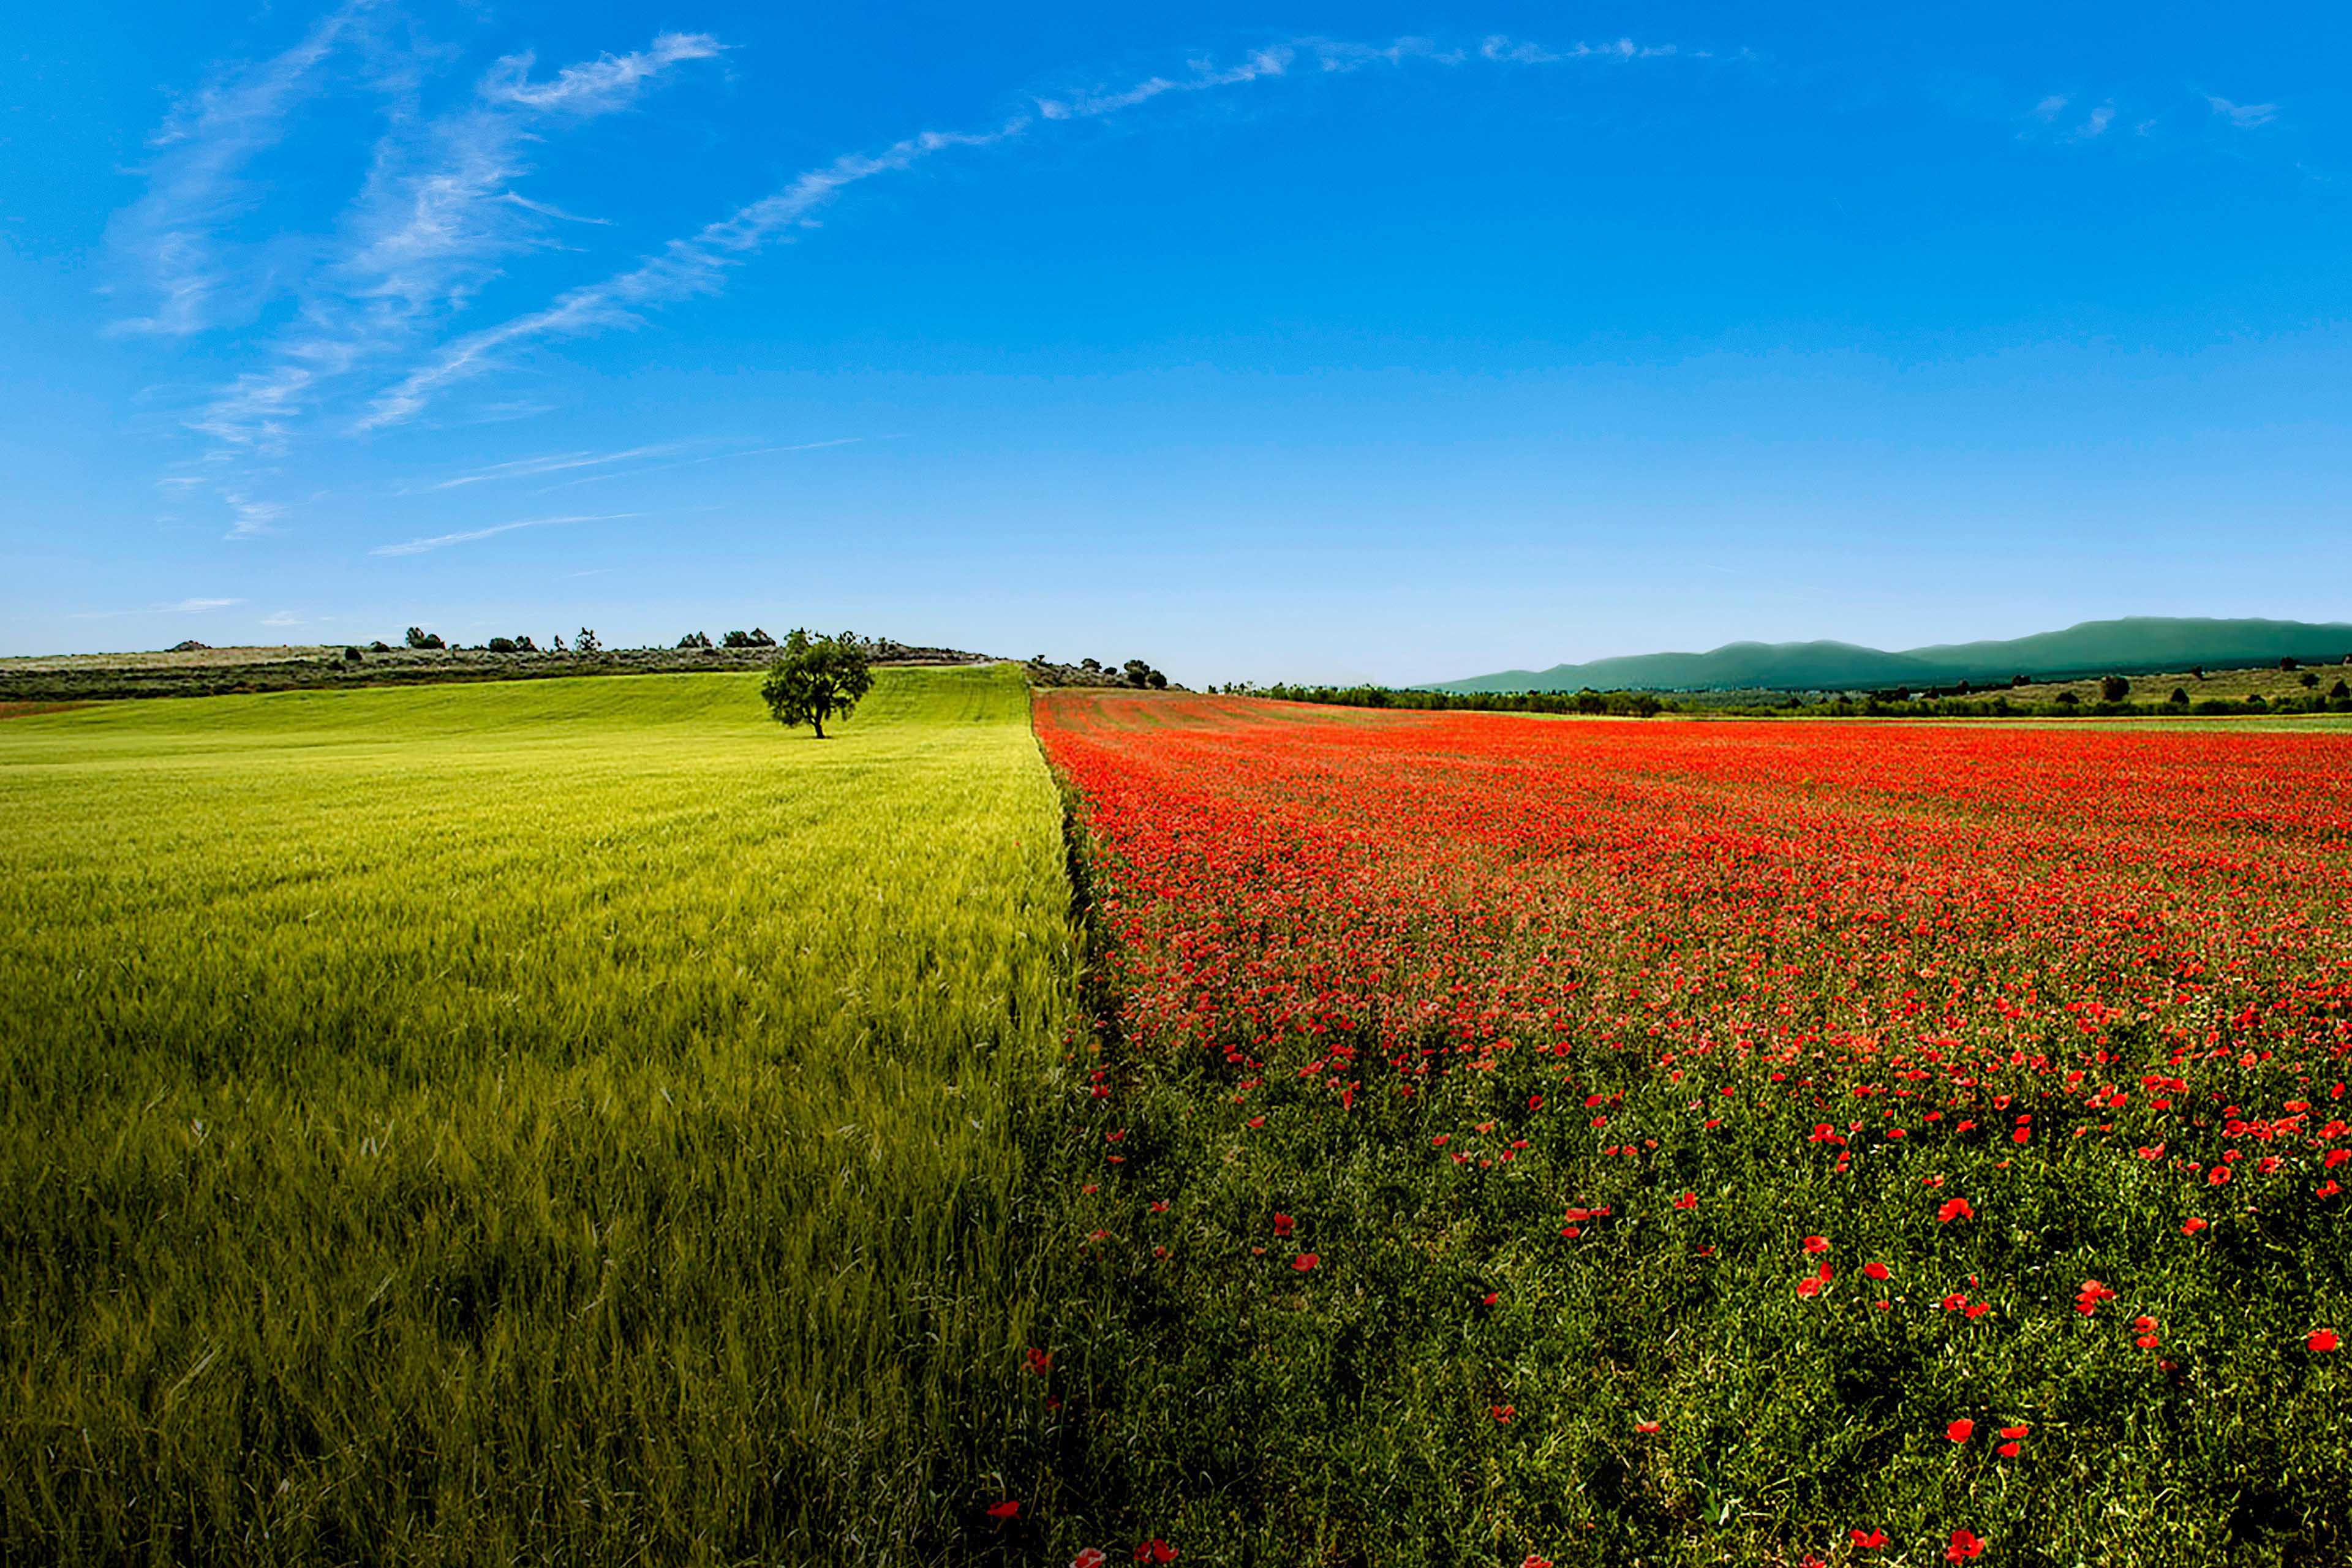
[564,1122]
[580,1121]
[1522,1141]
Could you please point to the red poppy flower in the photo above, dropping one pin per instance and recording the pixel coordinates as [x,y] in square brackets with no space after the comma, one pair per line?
[1040,1362]
[1088,1557]
[1006,1510]
[1951,1209]
[1306,1260]
[1874,1270]
[1961,1431]
[1281,1224]
[1869,1540]
[2192,1226]
[1688,1201]
[1964,1546]
[1809,1287]
[1502,1412]
[1645,1426]
[1155,1551]
[2322,1341]
[1817,1244]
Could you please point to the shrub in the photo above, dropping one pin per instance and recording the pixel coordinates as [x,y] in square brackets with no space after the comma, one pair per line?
[2338,692]
[502,645]
[419,637]
[695,639]
[2114,688]
[2179,698]
[2310,680]
[586,642]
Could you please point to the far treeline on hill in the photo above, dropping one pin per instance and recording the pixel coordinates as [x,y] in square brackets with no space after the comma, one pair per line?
[2136,645]
[192,668]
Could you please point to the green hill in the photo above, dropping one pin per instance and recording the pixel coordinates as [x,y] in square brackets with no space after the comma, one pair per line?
[2135,644]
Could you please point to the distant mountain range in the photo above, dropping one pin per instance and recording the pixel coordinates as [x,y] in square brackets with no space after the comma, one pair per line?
[2136,645]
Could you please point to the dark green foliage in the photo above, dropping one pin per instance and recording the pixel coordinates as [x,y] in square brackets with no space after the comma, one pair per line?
[816,679]
[419,637]
[2114,688]
[1621,704]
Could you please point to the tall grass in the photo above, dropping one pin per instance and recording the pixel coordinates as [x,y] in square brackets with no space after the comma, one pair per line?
[574,1120]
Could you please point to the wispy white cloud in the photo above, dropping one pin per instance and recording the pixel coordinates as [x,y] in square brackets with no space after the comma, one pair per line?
[698,263]
[686,266]
[552,463]
[708,457]
[441,541]
[2245,116]
[599,85]
[196,180]
[253,518]
[185,607]
[2060,118]
[1204,76]
[1509,51]
[435,218]
[439,213]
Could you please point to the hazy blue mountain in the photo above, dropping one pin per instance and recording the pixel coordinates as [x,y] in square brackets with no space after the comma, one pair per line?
[2135,644]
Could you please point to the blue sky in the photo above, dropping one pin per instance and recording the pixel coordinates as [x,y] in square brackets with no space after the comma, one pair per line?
[1326,341]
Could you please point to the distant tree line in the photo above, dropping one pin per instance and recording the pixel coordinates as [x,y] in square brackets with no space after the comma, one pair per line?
[1959,701]
[1621,704]
[1134,672]
[522,642]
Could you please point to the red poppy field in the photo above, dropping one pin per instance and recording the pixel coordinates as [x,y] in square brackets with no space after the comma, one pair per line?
[1506,1141]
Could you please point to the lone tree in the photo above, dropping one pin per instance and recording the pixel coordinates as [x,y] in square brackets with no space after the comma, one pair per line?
[816,679]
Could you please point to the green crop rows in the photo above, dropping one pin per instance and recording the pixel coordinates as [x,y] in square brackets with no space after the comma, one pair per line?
[562,1120]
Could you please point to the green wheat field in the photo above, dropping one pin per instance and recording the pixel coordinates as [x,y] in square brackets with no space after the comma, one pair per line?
[553,1120]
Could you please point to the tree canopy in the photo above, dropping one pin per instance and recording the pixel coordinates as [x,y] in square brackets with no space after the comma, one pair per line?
[816,679]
